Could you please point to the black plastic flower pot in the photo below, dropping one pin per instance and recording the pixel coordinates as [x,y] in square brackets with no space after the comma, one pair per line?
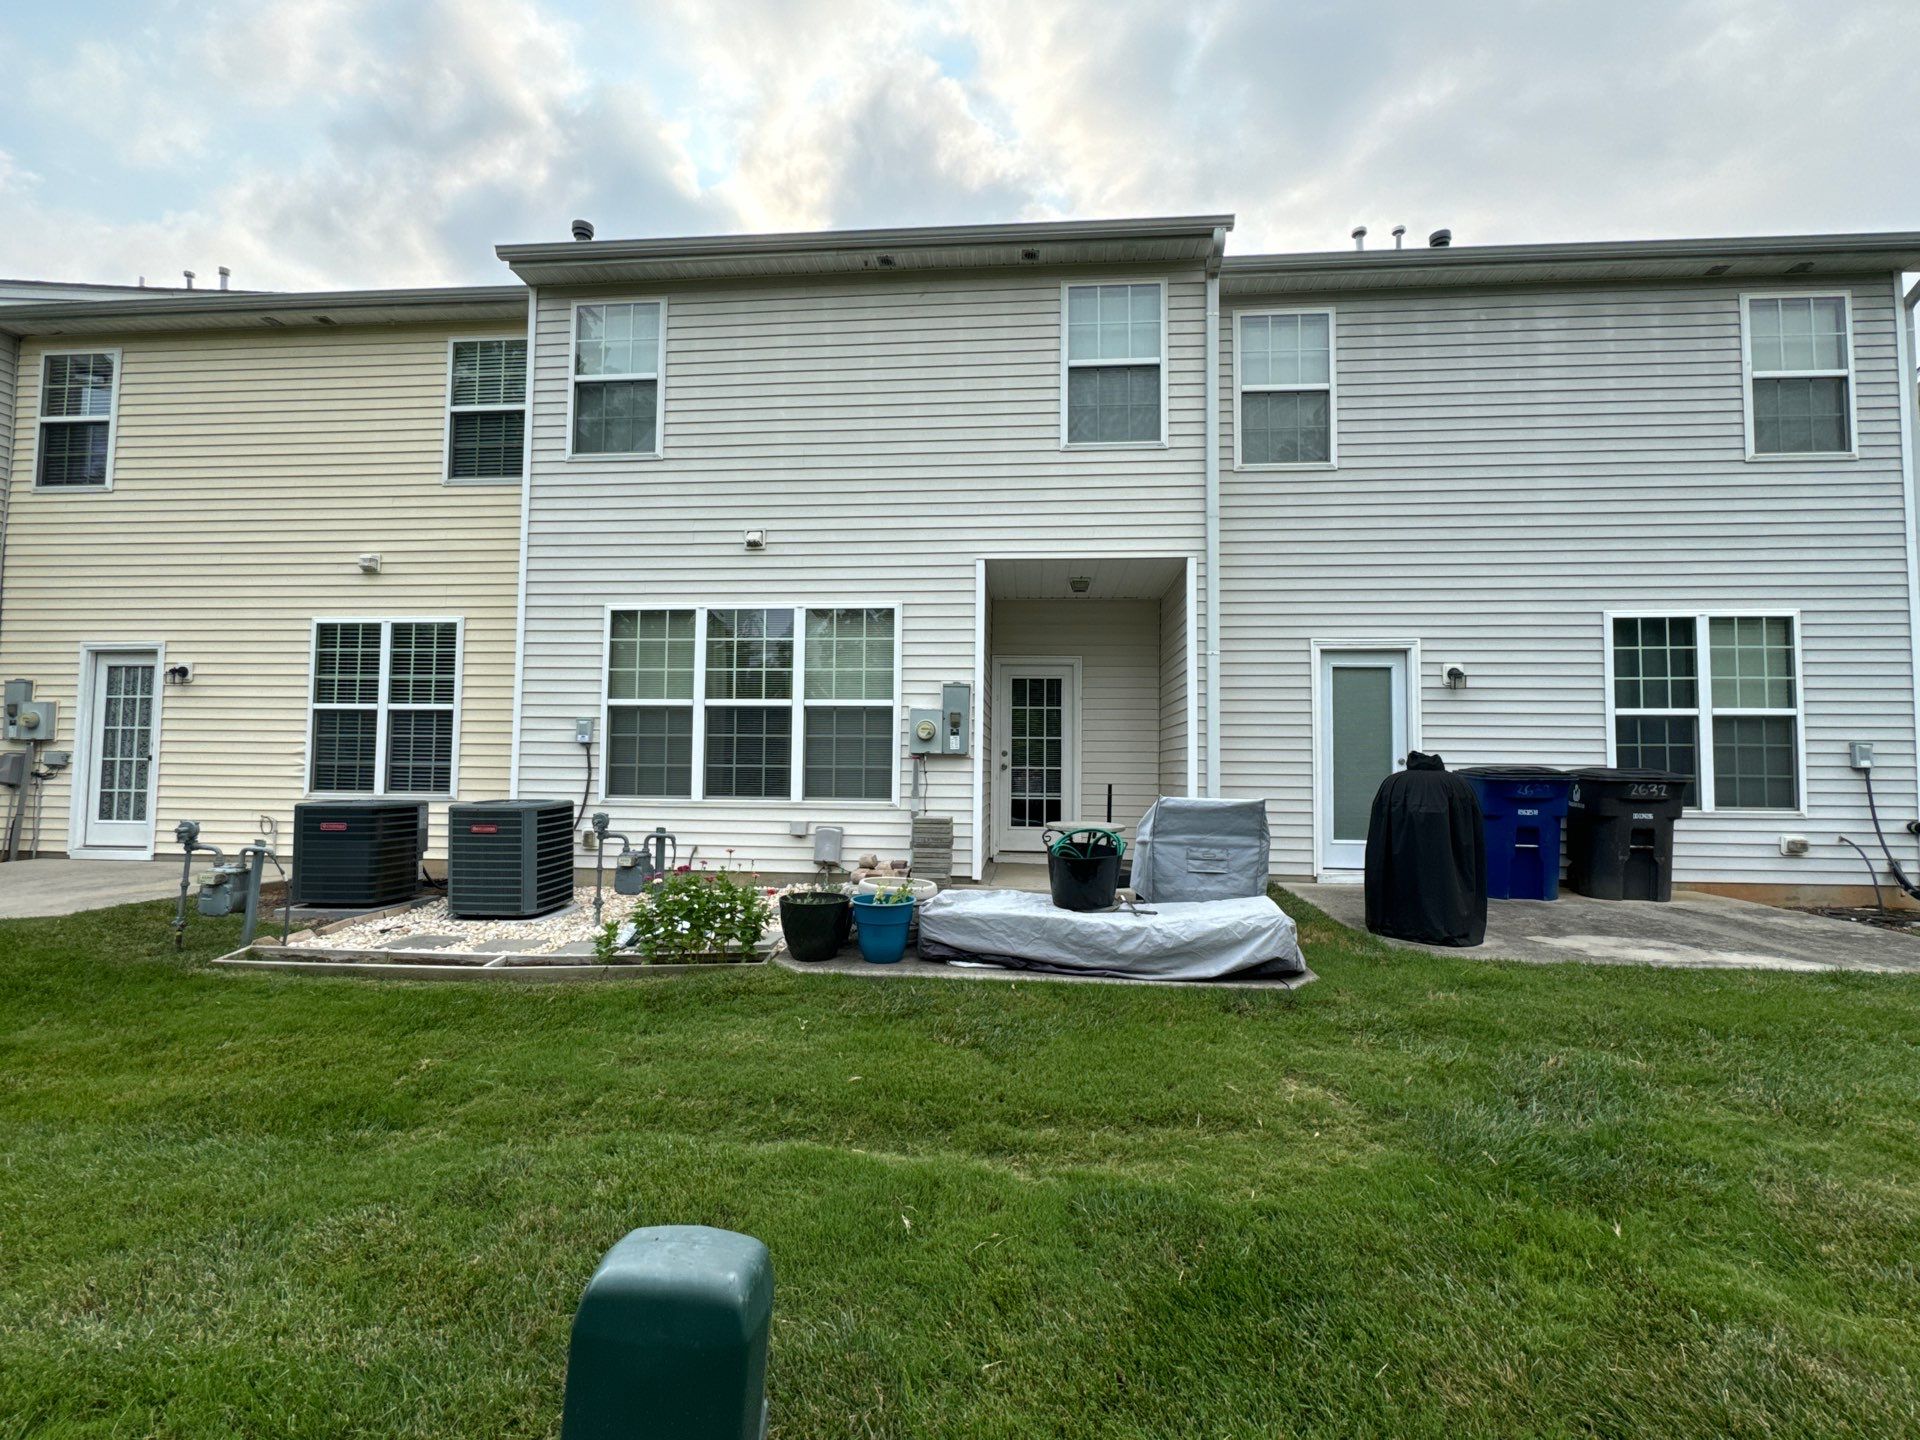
[815,926]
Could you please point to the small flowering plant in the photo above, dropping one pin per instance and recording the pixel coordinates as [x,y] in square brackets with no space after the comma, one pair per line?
[695,914]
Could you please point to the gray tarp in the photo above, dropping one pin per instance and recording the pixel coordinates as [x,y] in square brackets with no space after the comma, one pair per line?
[1196,849]
[1211,940]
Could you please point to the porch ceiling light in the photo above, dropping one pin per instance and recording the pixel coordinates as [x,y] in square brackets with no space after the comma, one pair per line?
[1080,584]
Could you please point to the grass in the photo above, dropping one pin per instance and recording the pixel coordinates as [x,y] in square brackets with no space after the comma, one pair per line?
[1423,1197]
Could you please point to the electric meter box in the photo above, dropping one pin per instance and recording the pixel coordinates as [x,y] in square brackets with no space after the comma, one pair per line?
[924,732]
[956,722]
[33,720]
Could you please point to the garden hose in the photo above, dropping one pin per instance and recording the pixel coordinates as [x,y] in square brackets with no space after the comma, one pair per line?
[1899,875]
[1067,850]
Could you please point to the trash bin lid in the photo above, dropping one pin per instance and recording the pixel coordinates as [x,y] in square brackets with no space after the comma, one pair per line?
[1517,772]
[1608,774]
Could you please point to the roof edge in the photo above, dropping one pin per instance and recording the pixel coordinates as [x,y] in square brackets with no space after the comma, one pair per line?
[1593,251]
[24,319]
[831,241]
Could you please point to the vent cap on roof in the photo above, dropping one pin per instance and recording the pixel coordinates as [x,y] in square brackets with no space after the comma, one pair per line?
[583,229]
[1440,239]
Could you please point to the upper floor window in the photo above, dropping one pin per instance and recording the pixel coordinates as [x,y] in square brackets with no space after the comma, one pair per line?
[486,409]
[78,391]
[1283,361]
[382,707]
[1115,379]
[1799,375]
[619,353]
[779,703]
[1742,687]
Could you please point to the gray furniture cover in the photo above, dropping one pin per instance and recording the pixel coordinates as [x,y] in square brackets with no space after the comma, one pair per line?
[1248,938]
[1190,848]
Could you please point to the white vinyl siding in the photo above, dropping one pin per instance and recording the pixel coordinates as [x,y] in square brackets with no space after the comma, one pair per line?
[1798,351]
[385,707]
[79,395]
[888,432]
[486,409]
[1283,367]
[1113,365]
[1515,465]
[614,404]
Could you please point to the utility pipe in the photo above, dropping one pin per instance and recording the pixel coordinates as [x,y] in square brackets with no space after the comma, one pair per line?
[1212,393]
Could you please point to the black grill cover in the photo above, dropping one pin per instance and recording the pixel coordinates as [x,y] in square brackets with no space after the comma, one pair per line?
[1427,857]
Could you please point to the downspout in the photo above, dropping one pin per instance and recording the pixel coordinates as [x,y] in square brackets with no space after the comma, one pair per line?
[1903,349]
[1212,391]
[526,507]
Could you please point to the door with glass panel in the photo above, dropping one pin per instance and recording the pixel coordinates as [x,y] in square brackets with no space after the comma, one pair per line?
[1363,740]
[1036,732]
[118,779]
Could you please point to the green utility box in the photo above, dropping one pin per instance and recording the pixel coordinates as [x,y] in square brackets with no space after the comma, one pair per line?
[670,1339]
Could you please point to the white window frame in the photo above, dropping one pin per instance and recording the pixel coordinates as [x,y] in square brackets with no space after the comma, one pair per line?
[1067,365]
[1704,710]
[384,705]
[1332,387]
[1748,375]
[41,421]
[526,432]
[659,377]
[800,704]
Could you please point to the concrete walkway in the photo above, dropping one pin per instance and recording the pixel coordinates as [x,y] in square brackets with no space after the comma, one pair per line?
[65,887]
[1694,930]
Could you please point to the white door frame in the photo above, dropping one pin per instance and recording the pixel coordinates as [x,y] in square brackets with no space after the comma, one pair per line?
[1002,723]
[1409,651]
[81,768]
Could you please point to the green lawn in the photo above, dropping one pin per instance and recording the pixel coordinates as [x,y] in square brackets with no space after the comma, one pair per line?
[1424,1196]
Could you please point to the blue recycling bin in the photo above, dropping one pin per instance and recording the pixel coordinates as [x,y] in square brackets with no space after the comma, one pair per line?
[1525,807]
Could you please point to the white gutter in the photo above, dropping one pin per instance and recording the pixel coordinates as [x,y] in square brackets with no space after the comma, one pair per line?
[526,510]
[1212,391]
[1903,359]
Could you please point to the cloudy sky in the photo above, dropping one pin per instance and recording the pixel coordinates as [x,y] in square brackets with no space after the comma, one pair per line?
[317,143]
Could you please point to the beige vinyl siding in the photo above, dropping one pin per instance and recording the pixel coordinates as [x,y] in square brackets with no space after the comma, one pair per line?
[9,371]
[250,472]
[1118,645]
[1515,463]
[887,432]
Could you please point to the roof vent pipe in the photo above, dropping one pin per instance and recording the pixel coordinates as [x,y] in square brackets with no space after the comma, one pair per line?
[1359,237]
[1440,239]
[189,275]
[225,275]
[583,229]
[1399,234]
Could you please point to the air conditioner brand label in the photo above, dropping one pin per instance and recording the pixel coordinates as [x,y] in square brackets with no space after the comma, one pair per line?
[484,829]
[332,827]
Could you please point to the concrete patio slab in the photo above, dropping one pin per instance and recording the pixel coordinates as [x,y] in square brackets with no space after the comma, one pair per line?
[31,888]
[1694,930]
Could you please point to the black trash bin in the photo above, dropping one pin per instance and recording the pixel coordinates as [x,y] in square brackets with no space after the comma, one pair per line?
[1620,833]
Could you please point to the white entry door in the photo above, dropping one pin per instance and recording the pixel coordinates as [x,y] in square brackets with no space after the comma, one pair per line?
[1363,740]
[118,798]
[1036,731]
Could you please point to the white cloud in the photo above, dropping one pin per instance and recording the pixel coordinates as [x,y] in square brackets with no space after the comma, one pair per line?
[325,142]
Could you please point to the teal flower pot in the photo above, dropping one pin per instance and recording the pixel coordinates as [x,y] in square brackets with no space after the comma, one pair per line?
[883,929]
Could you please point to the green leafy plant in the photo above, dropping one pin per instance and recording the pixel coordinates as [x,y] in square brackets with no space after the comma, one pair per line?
[607,942]
[698,914]
[899,894]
